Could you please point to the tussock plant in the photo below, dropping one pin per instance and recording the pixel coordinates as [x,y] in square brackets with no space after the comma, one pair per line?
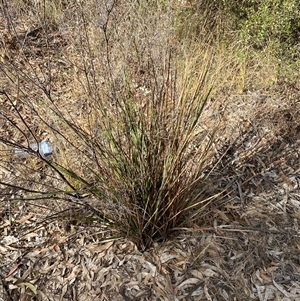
[146,159]
[150,157]
[138,154]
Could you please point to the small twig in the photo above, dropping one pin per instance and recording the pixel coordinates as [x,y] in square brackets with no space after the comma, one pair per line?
[240,192]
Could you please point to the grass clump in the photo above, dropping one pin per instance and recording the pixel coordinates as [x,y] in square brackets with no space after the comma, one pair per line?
[150,157]
[145,158]
[132,132]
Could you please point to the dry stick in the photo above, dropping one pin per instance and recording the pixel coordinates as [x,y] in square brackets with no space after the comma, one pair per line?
[19,114]
[40,156]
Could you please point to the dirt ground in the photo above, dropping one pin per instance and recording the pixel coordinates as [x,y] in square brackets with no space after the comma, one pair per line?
[245,247]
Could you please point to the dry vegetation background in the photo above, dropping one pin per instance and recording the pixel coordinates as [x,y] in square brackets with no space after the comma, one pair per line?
[170,93]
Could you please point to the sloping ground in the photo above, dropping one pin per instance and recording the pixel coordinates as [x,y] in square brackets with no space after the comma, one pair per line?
[247,247]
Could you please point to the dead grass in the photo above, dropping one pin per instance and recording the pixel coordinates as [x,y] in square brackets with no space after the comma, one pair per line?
[245,247]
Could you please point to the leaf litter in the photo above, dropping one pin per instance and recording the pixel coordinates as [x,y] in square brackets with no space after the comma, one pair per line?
[251,252]
[245,248]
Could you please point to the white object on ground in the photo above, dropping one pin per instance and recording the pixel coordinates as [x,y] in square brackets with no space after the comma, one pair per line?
[45,149]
